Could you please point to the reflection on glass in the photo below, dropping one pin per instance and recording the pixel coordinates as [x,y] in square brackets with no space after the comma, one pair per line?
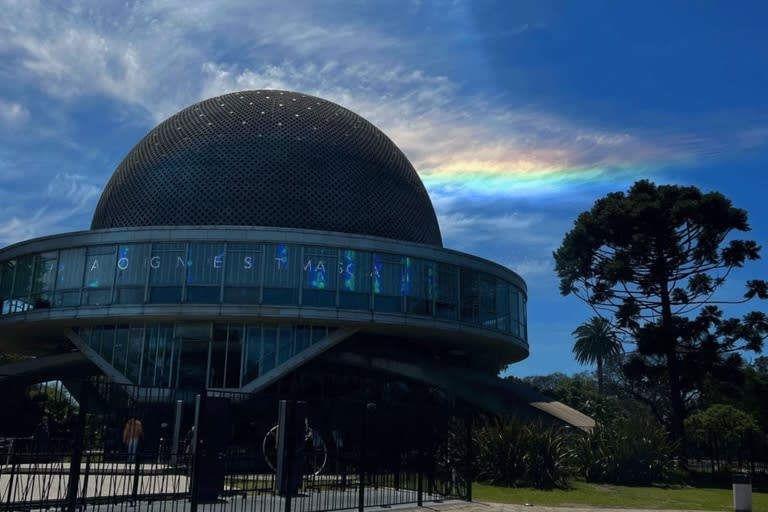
[356,277]
[316,274]
[281,257]
[133,358]
[6,285]
[22,284]
[254,273]
[270,347]
[348,270]
[167,268]
[320,273]
[503,321]
[44,280]
[205,264]
[377,286]
[242,273]
[281,279]
[108,343]
[285,345]
[388,282]
[99,267]
[252,354]
[131,276]
[406,276]
[421,295]
[121,349]
[447,291]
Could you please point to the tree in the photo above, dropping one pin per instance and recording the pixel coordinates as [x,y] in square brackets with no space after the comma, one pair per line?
[652,258]
[596,342]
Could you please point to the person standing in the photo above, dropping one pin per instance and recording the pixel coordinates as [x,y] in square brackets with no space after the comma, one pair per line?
[133,432]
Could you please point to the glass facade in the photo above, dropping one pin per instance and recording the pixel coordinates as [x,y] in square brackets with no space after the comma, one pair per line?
[253,273]
[190,355]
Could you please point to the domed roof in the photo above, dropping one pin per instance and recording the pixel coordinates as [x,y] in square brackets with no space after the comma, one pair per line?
[274,159]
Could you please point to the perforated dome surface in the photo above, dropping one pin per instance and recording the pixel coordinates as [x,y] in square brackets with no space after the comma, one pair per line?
[274,159]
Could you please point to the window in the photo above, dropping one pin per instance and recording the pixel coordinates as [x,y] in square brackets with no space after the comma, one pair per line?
[107,343]
[252,353]
[99,274]
[478,298]
[392,279]
[44,280]
[242,273]
[514,309]
[22,284]
[234,356]
[420,282]
[281,274]
[354,279]
[167,269]
[285,343]
[131,275]
[194,341]
[218,363]
[503,313]
[269,343]
[162,361]
[120,353]
[134,355]
[319,274]
[447,291]
[205,268]
[69,277]
[7,269]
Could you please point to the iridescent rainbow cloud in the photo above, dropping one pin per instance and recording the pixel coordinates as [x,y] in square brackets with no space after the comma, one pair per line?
[517,181]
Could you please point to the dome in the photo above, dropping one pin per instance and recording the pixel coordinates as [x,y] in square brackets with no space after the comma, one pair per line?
[272,159]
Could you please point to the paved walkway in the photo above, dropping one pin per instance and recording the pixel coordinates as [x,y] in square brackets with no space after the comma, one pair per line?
[501,507]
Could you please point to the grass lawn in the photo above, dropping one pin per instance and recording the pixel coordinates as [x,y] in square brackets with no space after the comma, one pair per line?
[582,493]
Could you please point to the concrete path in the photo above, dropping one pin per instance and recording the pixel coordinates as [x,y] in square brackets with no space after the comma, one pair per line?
[502,507]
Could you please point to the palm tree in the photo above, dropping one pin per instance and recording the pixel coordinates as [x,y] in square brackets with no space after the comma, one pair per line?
[595,342]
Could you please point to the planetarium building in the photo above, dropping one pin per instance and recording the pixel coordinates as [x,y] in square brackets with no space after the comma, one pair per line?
[260,239]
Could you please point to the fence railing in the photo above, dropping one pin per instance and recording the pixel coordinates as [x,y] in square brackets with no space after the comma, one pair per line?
[115,446]
[722,452]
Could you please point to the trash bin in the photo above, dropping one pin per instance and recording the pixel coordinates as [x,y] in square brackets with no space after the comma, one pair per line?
[742,492]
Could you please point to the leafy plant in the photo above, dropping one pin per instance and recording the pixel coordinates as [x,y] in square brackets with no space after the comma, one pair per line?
[631,451]
[511,453]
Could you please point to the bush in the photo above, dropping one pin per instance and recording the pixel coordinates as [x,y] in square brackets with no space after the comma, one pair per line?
[630,451]
[513,454]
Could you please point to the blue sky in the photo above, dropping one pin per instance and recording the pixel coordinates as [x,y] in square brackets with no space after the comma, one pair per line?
[517,115]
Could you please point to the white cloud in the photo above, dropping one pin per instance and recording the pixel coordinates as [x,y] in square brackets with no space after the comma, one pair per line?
[74,189]
[165,54]
[162,55]
[12,113]
[530,268]
[64,204]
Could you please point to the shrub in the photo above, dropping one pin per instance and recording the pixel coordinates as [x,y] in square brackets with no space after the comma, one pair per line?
[513,454]
[631,451]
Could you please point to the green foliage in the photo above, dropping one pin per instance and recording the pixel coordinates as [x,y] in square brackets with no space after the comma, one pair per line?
[723,418]
[631,451]
[653,257]
[511,453]
[54,401]
[726,433]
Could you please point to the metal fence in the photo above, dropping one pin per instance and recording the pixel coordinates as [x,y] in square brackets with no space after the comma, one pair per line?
[722,452]
[104,445]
